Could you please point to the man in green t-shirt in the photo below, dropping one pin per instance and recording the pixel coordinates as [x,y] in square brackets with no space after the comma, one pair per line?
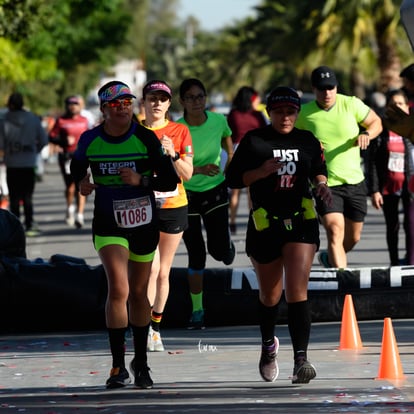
[344,125]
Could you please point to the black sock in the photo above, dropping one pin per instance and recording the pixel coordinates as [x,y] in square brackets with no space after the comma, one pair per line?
[117,345]
[140,336]
[267,321]
[299,322]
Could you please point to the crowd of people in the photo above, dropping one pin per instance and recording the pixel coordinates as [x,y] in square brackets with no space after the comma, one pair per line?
[158,181]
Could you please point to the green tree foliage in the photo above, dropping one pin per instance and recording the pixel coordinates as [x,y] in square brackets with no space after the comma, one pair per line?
[362,39]
[164,40]
[218,60]
[365,31]
[50,48]
[83,30]
[359,38]
[21,18]
[135,43]
[54,44]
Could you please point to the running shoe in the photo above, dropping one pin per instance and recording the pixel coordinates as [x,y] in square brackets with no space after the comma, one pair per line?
[303,371]
[197,320]
[70,217]
[141,374]
[228,260]
[118,378]
[32,232]
[268,367]
[154,341]
[323,259]
[79,221]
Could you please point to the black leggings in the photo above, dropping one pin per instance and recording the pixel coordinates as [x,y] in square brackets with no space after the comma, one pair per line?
[391,212]
[212,207]
[21,183]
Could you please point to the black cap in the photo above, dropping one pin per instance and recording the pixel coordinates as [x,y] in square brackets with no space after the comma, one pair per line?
[408,72]
[323,77]
[283,96]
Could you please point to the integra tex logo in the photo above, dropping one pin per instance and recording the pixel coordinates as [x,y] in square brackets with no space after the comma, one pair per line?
[112,168]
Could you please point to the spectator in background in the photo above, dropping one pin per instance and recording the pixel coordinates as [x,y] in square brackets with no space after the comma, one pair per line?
[207,192]
[243,117]
[344,125]
[390,181]
[22,137]
[65,133]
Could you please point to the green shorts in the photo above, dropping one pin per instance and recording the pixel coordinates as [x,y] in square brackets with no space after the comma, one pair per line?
[102,241]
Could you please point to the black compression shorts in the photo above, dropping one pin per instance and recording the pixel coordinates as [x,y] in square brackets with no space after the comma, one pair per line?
[266,246]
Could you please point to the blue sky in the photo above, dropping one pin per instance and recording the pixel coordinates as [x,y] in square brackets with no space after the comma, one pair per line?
[214,14]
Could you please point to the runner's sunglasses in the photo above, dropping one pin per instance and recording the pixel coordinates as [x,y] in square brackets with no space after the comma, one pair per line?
[116,103]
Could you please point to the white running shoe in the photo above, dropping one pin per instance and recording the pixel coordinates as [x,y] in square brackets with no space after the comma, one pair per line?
[70,216]
[80,221]
[154,341]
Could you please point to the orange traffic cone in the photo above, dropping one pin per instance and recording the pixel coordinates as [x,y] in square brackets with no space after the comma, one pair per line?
[390,364]
[350,337]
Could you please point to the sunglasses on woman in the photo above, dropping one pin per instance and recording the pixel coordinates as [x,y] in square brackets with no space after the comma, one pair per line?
[116,103]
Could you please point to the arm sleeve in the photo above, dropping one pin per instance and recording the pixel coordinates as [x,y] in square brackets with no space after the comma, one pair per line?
[79,163]
[372,173]
[165,177]
[238,165]
[78,169]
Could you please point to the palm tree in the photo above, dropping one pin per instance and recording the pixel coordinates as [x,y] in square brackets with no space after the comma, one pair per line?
[359,38]
[366,33]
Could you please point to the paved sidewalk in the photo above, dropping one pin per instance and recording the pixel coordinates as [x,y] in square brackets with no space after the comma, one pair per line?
[214,370]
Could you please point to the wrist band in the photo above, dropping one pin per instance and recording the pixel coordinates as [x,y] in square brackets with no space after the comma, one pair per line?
[176,156]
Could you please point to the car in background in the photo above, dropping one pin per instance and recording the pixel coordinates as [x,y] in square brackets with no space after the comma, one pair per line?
[221,108]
